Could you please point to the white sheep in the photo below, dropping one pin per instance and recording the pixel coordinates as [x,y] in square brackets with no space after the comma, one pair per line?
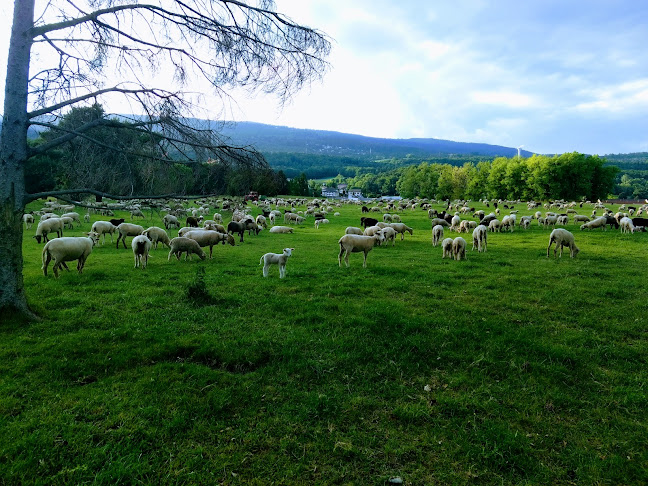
[170,221]
[157,235]
[508,221]
[128,229]
[437,234]
[446,245]
[402,228]
[261,221]
[218,218]
[321,221]
[627,226]
[459,248]
[581,218]
[68,223]
[28,219]
[479,235]
[356,244]
[276,259]
[600,222]
[86,218]
[51,225]
[281,229]
[561,237]
[210,238]
[74,216]
[353,230]
[188,246]
[390,235]
[67,249]
[562,220]
[454,224]
[141,246]
[387,218]
[495,225]
[103,228]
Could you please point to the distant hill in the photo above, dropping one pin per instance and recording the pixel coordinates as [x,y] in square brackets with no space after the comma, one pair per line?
[275,139]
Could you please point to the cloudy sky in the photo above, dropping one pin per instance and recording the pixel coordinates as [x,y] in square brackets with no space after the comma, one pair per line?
[553,76]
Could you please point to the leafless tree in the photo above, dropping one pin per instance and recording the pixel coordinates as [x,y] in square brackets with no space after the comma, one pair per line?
[66,53]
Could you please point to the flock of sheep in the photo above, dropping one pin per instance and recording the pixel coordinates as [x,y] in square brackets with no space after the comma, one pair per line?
[201,233]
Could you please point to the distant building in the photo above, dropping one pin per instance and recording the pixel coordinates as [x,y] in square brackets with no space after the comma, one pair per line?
[330,192]
[355,193]
[342,188]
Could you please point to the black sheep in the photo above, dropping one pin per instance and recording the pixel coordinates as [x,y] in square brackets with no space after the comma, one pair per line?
[366,222]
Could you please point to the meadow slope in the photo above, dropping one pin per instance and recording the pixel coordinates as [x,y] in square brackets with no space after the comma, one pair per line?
[507,368]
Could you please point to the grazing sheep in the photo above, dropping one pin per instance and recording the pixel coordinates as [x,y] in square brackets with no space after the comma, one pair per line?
[459,248]
[138,213]
[192,222]
[67,249]
[28,219]
[372,230]
[50,225]
[454,224]
[600,222]
[562,220]
[188,246]
[562,238]
[73,216]
[128,229]
[210,238]
[437,234]
[446,245]
[442,222]
[141,246]
[68,223]
[396,218]
[627,225]
[261,221]
[508,221]
[157,235]
[390,235]
[103,228]
[281,229]
[366,222]
[387,218]
[495,226]
[117,222]
[581,218]
[479,238]
[352,230]
[356,244]
[276,259]
[402,228]
[86,218]
[170,221]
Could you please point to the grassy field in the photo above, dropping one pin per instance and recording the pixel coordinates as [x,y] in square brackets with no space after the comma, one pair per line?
[506,368]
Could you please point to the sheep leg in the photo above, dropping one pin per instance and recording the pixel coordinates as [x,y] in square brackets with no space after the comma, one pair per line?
[136,259]
[46,263]
[282,271]
[549,247]
[211,247]
[340,255]
[265,269]
[364,264]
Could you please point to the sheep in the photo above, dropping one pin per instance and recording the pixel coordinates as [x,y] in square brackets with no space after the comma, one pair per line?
[213,226]
[353,230]
[356,244]
[128,229]
[437,234]
[402,228]
[141,246]
[600,222]
[157,235]
[117,222]
[74,216]
[281,229]
[86,218]
[387,218]
[276,259]
[562,238]
[138,213]
[261,221]
[396,218]
[192,222]
[68,223]
[366,222]
[459,248]
[210,238]
[103,228]
[67,249]
[372,230]
[446,245]
[440,221]
[218,218]
[563,219]
[581,218]
[237,227]
[525,221]
[495,226]
[28,219]
[479,238]
[454,224]
[321,221]
[188,246]
[51,225]
[508,221]
[627,225]
[170,221]
[390,235]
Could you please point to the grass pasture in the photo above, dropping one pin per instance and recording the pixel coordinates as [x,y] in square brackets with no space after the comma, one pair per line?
[506,368]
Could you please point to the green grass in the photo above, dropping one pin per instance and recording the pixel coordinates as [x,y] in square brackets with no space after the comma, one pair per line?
[204,372]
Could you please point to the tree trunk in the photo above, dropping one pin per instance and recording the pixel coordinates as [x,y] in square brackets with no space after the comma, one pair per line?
[13,155]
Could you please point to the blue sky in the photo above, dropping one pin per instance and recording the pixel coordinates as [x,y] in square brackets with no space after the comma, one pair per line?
[553,76]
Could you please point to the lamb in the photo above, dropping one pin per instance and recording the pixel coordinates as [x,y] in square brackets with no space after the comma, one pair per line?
[356,244]
[446,245]
[103,228]
[128,229]
[28,219]
[627,225]
[390,235]
[281,229]
[210,238]
[141,246]
[437,234]
[276,259]
[479,238]
[321,221]
[74,216]
[51,225]
[157,235]
[459,248]
[67,249]
[188,246]
[68,223]
[402,228]
[600,222]
[562,238]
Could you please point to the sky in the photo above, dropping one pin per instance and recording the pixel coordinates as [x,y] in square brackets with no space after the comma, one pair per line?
[552,76]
